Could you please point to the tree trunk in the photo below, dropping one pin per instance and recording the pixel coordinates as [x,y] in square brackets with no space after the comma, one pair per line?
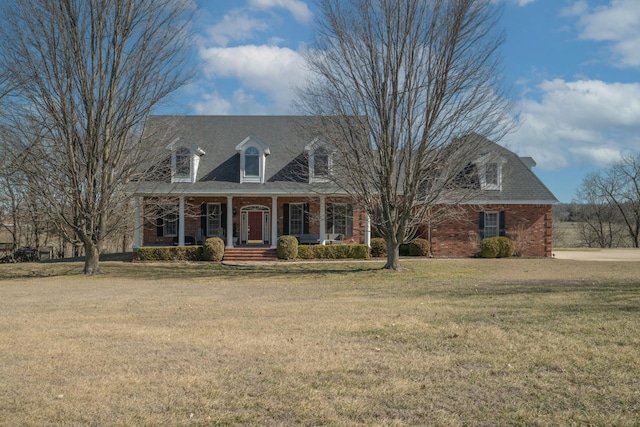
[91,259]
[393,256]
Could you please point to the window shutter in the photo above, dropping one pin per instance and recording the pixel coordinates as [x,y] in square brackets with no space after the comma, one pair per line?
[203,219]
[481,225]
[502,224]
[285,219]
[223,217]
[305,219]
[349,220]
[160,223]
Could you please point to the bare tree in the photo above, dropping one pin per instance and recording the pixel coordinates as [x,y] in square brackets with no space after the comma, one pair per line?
[616,191]
[409,85]
[600,225]
[84,76]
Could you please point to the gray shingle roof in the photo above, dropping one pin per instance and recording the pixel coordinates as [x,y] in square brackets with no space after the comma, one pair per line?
[286,165]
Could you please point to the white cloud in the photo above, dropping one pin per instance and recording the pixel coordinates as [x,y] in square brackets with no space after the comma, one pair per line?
[269,71]
[235,26]
[578,8]
[578,123]
[616,23]
[298,8]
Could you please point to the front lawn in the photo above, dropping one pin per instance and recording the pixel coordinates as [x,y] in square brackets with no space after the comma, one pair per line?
[444,343]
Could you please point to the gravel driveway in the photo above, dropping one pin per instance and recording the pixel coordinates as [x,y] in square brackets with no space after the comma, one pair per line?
[599,254]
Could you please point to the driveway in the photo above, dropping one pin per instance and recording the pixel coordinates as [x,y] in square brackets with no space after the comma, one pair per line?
[599,254]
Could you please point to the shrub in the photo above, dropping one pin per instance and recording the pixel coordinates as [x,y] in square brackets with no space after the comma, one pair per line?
[306,252]
[378,247]
[287,247]
[213,249]
[419,247]
[506,247]
[333,252]
[168,253]
[496,247]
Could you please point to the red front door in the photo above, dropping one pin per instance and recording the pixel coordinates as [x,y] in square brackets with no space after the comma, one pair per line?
[255,226]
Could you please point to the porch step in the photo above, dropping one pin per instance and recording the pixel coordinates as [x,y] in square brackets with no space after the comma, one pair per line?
[250,254]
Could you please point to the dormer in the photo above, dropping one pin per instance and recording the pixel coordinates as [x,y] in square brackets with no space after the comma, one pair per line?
[185,158]
[489,168]
[320,160]
[253,159]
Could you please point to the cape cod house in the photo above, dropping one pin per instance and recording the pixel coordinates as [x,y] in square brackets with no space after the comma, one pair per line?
[250,179]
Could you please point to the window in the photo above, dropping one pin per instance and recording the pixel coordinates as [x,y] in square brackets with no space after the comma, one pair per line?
[252,162]
[491,224]
[321,167]
[296,218]
[214,217]
[169,220]
[340,219]
[491,176]
[182,166]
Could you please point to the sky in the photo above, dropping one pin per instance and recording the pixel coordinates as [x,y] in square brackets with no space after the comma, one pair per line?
[573,67]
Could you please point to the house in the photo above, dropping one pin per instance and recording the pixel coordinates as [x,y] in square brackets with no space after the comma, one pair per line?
[250,179]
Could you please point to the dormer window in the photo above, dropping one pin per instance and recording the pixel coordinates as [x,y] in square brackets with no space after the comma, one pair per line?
[185,159]
[490,172]
[492,175]
[253,155]
[320,160]
[321,167]
[251,162]
[183,163]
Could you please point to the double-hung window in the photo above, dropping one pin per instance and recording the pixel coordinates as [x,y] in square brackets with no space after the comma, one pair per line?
[252,162]
[170,220]
[340,219]
[214,217]
[296,218]
[182,166]
[491,224]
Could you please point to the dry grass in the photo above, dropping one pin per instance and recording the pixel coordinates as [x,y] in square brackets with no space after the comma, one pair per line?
[445,343]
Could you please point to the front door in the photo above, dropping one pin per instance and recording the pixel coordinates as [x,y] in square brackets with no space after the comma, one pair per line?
[255,227]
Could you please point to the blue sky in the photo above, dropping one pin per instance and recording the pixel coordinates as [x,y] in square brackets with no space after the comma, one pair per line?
[573,66]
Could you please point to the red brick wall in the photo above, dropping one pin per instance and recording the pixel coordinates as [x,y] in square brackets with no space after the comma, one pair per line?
[528,225]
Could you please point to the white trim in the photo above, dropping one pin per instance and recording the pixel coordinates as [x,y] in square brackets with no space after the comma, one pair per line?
[229,222]
[181,221]
[195,153]
[252,141]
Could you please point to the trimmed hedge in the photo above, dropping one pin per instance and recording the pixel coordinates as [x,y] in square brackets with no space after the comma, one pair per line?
[378,247]
[287,247]
[496,247]
[213,249]
[418,247]
[170,253]
[333,252]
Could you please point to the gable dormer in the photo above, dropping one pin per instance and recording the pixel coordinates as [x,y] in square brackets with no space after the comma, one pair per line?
[489,167]
[185,158]
[320,160]
[253,159]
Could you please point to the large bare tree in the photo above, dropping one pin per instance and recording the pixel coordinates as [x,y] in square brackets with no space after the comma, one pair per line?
[83,77]
[409,85]
[615,190]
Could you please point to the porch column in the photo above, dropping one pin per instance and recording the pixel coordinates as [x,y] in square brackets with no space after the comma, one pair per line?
[137,211]
[229,221]
[274,222]
[181,221]
[367,229]
[323,232]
